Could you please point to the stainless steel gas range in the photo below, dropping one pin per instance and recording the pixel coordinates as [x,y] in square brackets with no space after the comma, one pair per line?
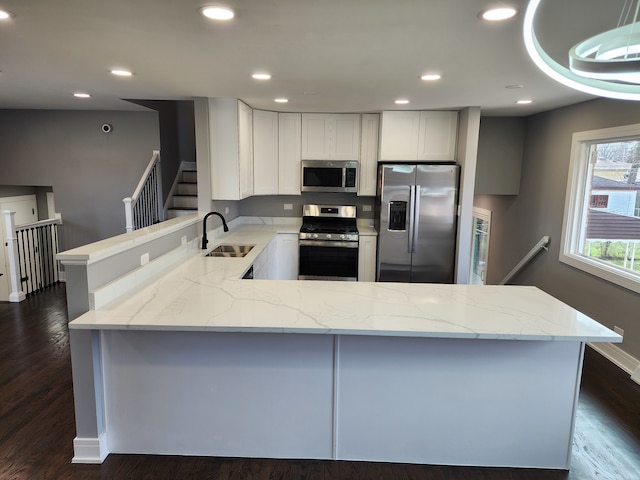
[328,243]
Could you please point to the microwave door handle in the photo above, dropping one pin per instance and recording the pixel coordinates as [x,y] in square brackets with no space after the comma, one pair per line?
[416,217]
[412,196]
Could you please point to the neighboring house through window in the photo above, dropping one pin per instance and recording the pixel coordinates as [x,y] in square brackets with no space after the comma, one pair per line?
[599,201]
[601,231]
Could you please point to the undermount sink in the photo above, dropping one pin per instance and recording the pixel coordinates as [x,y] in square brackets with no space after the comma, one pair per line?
[230,251]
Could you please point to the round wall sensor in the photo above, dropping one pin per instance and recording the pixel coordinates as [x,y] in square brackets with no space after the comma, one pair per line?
[106,128]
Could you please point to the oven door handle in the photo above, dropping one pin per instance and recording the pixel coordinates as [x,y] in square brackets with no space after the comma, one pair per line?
[327,243]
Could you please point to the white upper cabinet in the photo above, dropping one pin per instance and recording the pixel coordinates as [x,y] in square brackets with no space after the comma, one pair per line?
[330,136]
[289,137]
[418,136]
[231,149]
[437,136]
[399,136]
[369,154]
[265,152]
[245,149]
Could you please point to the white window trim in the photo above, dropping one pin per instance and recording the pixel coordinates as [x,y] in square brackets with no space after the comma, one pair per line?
[571,226]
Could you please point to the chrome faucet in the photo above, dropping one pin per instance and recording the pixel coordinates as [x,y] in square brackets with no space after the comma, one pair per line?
[204,227]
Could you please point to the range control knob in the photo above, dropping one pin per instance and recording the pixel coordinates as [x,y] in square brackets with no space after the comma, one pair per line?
[328,236]
[315,235]
[343,236]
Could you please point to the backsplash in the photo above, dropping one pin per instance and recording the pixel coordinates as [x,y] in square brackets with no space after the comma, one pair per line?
[274,206]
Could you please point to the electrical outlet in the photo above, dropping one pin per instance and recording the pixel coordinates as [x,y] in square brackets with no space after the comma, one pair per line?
[366,208]
[183,240]
[288,206]
[619,331]
[144,258]
[226,210]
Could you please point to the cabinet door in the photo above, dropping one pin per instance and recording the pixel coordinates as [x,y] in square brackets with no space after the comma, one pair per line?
[437,137]
[369,154]
[265,152]
[399,136]
[223,149]
[289,133]
[316,136]
[367,258]
[344,137]
[287,255]
[245,149]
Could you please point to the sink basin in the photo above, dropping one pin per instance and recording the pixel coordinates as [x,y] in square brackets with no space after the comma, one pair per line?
[230,251]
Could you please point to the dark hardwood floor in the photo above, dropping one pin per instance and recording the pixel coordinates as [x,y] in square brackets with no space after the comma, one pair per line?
[37,422]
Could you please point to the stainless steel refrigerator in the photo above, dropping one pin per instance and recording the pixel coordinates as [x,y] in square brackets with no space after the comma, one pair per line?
[417,207]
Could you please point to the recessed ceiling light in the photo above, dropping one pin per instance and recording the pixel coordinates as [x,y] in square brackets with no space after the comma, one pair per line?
[281,100]
[430,77]
[81,95]
[261,76]
[121,73]
[4,15]
[401,101]
[514,87]
[217,12]
[498,14]
[524,102]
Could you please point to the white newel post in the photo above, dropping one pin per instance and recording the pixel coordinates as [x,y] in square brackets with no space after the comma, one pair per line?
[16,294]
[128,214]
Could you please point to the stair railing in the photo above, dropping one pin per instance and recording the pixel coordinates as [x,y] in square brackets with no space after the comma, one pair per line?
[145,207]
[541,245]
[32,249]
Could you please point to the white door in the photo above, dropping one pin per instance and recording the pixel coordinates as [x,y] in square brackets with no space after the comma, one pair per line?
[26,209]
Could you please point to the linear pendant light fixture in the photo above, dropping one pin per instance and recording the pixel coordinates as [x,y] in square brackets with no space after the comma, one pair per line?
[606,65]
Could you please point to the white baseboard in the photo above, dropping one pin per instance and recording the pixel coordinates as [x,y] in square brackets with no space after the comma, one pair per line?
[90,450]
[619,357]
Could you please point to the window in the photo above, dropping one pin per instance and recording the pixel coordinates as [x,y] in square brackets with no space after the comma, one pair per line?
[599,201]
[480,252]
[601,230]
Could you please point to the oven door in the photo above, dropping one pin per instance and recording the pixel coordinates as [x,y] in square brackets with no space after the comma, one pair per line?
[322,260]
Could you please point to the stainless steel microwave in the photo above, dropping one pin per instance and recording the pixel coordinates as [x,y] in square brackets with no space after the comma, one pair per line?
[329,176]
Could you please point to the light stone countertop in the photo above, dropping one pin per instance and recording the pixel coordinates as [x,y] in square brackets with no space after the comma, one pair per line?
[207,294]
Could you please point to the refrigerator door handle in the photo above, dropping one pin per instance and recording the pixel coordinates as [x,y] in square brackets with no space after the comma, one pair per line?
[412,217]
[416,217]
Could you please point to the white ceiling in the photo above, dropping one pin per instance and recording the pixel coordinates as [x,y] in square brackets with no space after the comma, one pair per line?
[324,55]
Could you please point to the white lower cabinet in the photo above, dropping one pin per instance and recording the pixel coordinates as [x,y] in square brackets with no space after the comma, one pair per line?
[367,258]
[279,260]
[264,267]
[287,256]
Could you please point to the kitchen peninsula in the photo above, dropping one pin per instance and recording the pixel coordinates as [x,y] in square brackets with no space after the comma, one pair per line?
[200,362]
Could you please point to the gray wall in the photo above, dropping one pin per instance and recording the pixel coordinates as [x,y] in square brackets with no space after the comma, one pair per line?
[518,222]
[90,171]
[273,206]
[500,145]
[177,137]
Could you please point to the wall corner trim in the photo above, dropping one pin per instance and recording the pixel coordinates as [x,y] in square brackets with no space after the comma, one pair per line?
[90,450]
